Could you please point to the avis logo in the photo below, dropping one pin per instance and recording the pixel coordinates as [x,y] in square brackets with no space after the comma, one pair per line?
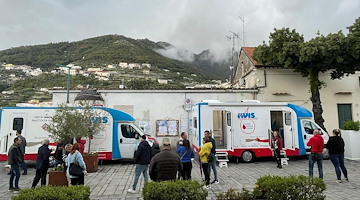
[246,115]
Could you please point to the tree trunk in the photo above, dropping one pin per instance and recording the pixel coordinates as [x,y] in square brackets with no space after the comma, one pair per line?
[315,85]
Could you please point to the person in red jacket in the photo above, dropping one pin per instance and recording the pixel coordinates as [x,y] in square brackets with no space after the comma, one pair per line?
[81,145]
[317,145]
[276,144]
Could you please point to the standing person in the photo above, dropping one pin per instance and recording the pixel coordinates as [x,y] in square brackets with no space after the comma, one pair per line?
[183,137]
[276,144]
[336,147]
[81,144]
[58,155]
[317,145]
[205,154]
[15,160]
[142,161]
[22,150]
[42,164]
[76,157]
[186,154]
[68,148]
[165,165]
[212,163]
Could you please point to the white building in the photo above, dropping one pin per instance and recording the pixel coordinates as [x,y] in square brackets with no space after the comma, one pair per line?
[123,65]
[146,65]
[148,106]
[340,98]
[162,81]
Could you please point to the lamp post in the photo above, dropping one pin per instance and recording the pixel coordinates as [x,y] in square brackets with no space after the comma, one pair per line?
[67,82]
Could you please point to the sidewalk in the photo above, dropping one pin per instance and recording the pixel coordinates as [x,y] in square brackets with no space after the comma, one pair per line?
[112,181]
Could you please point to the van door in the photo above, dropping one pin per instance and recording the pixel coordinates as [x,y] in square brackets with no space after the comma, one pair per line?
[288,130]
[127,140]
[308,130]
[228,129]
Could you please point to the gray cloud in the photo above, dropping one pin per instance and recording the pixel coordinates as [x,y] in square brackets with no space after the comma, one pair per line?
[186,24]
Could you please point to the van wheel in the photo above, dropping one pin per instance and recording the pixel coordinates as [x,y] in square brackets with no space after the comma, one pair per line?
[247,156]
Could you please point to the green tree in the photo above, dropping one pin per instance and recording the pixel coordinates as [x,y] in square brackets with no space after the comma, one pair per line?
[70,122]
[335,52]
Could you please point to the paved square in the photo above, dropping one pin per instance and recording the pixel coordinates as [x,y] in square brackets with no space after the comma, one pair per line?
[113,180]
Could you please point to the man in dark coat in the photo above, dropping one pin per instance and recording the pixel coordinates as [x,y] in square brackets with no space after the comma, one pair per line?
[15,160]
[42,164]
[22,150]
[142,160]
[165,165]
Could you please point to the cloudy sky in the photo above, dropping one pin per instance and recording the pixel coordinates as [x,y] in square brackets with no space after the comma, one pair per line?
[195,25]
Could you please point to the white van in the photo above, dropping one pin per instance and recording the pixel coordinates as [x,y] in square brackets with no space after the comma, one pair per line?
[244,129]
[118,140]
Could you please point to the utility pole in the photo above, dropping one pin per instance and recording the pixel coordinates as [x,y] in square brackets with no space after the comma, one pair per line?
[67,82]
[234,35]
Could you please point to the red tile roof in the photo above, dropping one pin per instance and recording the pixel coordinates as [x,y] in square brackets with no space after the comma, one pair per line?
[250,53]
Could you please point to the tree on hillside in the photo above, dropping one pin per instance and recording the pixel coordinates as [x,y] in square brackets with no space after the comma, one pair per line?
[335,52]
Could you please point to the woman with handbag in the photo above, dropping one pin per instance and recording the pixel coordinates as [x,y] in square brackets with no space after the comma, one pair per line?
[76,166]
[186,153]
[205,156]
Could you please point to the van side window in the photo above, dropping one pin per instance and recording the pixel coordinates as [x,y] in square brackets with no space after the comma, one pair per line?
[18,124]
[310,126]
[128,131]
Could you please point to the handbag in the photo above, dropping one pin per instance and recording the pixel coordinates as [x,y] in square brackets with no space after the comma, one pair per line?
[75,169]
[210,158]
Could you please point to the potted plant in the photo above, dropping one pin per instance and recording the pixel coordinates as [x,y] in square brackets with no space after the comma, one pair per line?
[57,177]
[351,136]
[70,123]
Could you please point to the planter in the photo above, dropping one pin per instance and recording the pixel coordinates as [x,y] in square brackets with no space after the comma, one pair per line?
[57,178]
[352,147]
[91,161]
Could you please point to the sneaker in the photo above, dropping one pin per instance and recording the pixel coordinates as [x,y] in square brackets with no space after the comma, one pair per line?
[279,166]
[11,189]
[25,173]
[215,182]
[346,179]
[339,181]
[132,191]
[16,190]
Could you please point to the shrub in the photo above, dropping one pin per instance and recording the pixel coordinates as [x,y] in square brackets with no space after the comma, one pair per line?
[232,194]
[352,125]
[289,187]
[174,190]
[54,193]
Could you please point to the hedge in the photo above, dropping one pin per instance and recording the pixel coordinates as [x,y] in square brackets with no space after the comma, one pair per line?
[174,190]
[54,193]
[289,187]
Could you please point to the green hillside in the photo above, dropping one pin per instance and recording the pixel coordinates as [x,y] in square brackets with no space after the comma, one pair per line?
[95,52]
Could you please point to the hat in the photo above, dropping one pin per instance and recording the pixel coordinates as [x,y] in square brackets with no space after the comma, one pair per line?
[143,137]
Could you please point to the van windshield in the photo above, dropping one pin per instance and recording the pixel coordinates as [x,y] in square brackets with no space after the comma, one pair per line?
[310,126]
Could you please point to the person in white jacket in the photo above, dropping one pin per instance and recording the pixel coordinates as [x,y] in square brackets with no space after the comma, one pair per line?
[76,157]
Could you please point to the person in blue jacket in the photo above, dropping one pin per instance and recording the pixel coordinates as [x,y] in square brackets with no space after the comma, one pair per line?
[186,153]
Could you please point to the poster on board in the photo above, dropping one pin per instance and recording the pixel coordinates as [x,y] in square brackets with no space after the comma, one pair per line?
[167,127]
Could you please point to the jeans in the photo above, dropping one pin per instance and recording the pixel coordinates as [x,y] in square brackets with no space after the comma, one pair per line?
[40,174]
[15,173]
[212,165]
[138,170]
[24,167]
[319,164]
[338,162]
[278,157]
[205,167]
[186,171]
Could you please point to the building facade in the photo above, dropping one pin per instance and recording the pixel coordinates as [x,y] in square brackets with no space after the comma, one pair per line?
[340,97]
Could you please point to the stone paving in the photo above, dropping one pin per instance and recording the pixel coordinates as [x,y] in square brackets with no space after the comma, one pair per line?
[113,180]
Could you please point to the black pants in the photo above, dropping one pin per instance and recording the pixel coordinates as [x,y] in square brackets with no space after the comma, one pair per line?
[78,181]
[186,171]
[40,174]
[277,156]
[205,167]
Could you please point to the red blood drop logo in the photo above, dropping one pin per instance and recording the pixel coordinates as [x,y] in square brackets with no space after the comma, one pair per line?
[243,126]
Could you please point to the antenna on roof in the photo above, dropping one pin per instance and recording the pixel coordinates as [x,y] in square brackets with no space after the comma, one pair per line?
[243,22]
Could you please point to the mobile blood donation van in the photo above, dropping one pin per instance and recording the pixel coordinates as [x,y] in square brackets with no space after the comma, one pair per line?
[244,129]
[118,140]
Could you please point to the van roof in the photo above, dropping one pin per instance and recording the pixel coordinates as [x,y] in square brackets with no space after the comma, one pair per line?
[117,115]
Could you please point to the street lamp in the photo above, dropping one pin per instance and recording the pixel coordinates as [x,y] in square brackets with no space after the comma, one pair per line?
[67,82]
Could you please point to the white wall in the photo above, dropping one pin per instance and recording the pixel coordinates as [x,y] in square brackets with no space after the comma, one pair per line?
[152,105]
